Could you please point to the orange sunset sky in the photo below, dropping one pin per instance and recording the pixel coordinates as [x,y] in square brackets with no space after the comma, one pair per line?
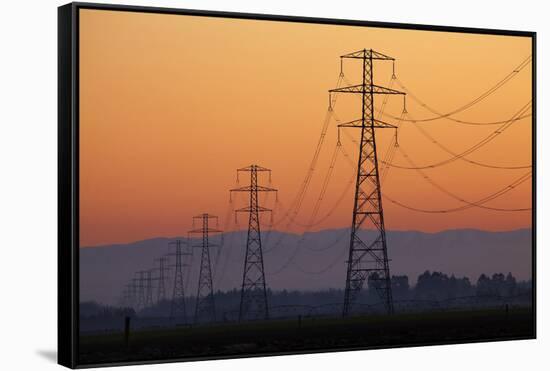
[171,106]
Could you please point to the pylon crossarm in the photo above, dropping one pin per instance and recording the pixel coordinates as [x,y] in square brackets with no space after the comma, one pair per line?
[209,230]
[209,245]
[247,209]
[378,124]
[253,168]
[205,215]
[371,54]
[257,188]
[366,89]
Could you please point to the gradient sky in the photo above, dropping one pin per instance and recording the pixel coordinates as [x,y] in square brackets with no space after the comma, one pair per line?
[171,105]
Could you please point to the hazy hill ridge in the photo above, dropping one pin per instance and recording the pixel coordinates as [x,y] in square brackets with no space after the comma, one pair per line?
[316,263]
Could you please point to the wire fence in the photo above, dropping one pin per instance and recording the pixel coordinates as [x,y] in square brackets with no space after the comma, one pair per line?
[98,325]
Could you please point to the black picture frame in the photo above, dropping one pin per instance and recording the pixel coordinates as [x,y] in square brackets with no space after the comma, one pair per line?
[68,160]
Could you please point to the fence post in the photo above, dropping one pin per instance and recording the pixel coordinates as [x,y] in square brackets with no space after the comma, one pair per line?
[126,331]
[507,310]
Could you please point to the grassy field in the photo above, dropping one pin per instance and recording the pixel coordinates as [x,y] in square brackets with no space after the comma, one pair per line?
[308,334]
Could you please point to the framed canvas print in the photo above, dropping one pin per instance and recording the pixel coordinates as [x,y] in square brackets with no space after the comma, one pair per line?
[235,185]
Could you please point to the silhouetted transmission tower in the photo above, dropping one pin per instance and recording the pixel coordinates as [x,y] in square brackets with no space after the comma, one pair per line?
[135,293]
[253,289]
[205,309]
[149,288]
[162,269]
[126,301]
[141,285]
[368,257]
[177,309]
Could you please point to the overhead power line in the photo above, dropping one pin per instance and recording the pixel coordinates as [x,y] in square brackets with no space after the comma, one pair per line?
[479,202]
[468,204]
[526,62]
[462,155]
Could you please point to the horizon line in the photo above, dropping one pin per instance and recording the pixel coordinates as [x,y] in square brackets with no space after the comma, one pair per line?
[312,232]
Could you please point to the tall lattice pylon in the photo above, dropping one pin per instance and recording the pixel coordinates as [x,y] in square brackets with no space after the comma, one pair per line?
[142,289]
[253,290]
[134,292]
[205,309]
[149,288]
[162,269]
[125,299]
[177,308]
[368,256]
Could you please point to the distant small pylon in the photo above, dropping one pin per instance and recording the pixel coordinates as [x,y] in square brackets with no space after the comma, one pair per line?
[162,269]
[149,289]
[177,309]
[253,290]
[205,309]
[141,290]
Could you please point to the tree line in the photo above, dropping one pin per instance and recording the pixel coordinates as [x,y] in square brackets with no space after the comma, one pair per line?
[430,285]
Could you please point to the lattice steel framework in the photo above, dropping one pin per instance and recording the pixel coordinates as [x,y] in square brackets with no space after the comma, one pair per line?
[205,309]
[368,257]
[177,309]
[162,269]
[141,289]
[126,299]
[148,289]
[134,292]
[253,290]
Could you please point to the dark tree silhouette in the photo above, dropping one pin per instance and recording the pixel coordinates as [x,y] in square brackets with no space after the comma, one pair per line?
[497,285]
[439,286]
[400,287]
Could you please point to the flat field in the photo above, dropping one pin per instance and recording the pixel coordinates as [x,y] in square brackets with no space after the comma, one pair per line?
[308,334]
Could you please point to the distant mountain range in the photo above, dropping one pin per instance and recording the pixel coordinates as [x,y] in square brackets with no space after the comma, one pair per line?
[318,262]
